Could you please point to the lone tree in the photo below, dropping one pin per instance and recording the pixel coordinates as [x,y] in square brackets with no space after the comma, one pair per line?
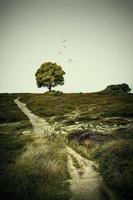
[49,75]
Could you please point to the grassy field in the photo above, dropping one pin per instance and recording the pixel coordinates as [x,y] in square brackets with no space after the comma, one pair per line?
[9,112]
[88,104]
[35,168]
[30,167]
[116,161]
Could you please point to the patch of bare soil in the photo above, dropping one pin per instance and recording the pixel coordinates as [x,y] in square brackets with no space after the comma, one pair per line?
[40,125]
[86,183]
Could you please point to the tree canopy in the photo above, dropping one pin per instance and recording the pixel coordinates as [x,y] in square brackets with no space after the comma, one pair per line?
[118,88]
[49,75]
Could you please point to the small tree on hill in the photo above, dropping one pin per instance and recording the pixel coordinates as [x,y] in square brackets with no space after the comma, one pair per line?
[49,75]
[118,88]
[125,88]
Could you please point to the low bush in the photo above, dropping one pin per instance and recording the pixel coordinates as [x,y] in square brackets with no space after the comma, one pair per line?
[57,93]
[116,165]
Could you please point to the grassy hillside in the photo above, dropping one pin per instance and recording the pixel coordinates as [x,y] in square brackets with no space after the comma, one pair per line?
[30,167]
[9,112]
[89,105]
[110,131]
[98,126]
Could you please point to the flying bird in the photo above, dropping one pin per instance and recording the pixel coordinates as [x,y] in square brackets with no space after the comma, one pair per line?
[64,40]
[69,60]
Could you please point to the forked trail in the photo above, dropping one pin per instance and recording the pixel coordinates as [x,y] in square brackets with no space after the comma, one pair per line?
[86,183]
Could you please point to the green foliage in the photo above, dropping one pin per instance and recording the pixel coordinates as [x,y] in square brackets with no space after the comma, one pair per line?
[32,168]
[36,172]
[80,93]
[125,87]
[54,93]
[118,88]
[90,106]
[12,144]
[116,161]
[49,75]
[57,93]
[9,112]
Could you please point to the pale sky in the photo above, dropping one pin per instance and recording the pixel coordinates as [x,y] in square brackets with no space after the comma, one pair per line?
[99,36]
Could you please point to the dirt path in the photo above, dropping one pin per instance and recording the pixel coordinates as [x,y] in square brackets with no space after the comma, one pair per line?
[86,183]
[40,125]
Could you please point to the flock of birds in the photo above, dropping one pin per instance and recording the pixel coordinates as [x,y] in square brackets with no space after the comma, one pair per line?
[64,47]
